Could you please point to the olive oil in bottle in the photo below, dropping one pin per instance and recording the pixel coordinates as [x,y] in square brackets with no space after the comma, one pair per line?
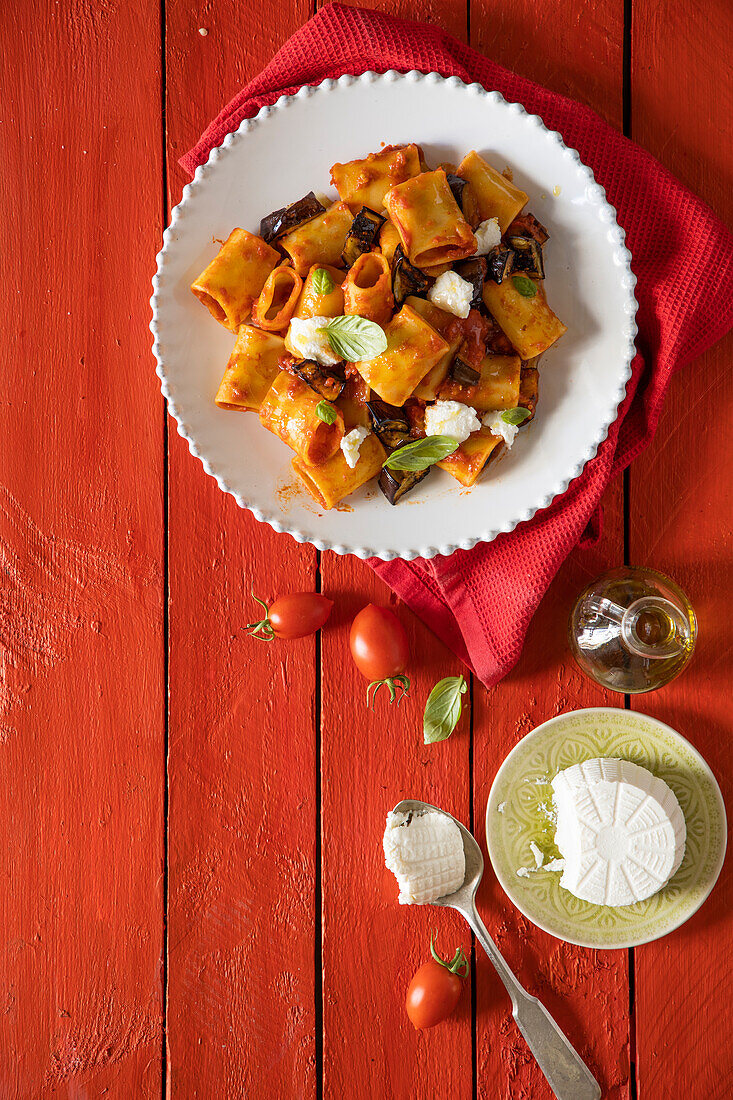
[632,630]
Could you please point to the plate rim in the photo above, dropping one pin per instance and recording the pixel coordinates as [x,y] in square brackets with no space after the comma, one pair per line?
[636,941]
[595,195]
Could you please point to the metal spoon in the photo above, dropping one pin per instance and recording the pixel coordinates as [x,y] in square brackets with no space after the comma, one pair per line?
[566,1072]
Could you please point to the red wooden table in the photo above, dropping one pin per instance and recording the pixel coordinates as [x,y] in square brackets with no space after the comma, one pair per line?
[193,899]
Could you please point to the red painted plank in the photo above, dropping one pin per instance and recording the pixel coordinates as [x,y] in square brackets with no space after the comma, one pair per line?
[576,51]
[81,540]
[586,991]
[372,946]
[682,101]
[242,762]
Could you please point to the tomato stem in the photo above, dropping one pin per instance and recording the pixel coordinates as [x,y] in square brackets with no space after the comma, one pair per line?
[459,964]
[392,683]
[261,630]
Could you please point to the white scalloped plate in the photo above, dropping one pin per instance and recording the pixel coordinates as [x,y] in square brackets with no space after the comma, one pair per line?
[286,151]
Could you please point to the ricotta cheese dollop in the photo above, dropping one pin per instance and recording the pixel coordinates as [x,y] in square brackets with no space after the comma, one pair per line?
[508,432]
[620,830]
[488,236]
[451,418]
[452,293]
[424,851]
[351,443]
[306,341]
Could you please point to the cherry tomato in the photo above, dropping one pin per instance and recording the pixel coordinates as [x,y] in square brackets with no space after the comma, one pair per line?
[292,616]
[436,988]
[379,647]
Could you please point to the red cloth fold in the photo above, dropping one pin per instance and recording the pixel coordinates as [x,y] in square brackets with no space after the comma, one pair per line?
[480,601]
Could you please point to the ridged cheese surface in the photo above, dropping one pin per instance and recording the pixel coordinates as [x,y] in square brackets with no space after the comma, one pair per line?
[424,851]
[620,830]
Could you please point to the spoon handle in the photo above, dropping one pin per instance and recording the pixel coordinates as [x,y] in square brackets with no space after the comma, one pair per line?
[566,1072]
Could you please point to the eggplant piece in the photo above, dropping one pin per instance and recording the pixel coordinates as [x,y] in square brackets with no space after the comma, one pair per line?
[500,263]
[395,484]
[456,185]
[290,217]
[474,271]
[363,235]
[527,225]
[527,256]
[406,278]
[462,372]
[328,385]
[529,380]
[390,423]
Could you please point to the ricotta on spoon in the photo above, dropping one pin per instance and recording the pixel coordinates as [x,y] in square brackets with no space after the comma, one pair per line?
[424,851]
[620,830]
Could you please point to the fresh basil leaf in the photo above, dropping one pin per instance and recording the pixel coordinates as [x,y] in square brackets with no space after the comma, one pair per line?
[325,412]
[422,453]
[322,281]
[524,285]
[443,709]
[515,416]
[355,338]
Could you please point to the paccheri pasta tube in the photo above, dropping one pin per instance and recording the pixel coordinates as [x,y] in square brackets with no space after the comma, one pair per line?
[467,462]
[288,410]
[413,348]
[232,282]
[331,481]
[251,369]
[274,307]
[389,238]
[493,194]
[368,288]
[497,386]
[321,297]
[365,182]
[319,241]
[519,307]
[428,386]
[429,221]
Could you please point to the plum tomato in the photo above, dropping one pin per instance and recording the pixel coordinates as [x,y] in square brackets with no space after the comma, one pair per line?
[378,644]
[433,993]
[292,616]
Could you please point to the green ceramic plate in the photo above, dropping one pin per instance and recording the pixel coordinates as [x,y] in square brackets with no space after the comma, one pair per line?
[522,790]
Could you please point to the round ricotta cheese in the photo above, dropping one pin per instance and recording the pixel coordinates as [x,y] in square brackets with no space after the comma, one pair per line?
[620,830]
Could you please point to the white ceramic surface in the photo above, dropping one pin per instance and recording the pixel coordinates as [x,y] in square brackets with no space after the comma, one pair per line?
[287,150]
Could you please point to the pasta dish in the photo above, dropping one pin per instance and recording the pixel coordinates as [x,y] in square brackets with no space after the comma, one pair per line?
[394,330]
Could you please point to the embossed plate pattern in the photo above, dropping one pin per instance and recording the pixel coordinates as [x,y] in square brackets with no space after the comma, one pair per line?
[522,789]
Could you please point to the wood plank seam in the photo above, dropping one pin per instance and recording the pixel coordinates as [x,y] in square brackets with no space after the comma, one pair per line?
[318,906]
[165,203]
[587,992]
[626,501]
[472,830]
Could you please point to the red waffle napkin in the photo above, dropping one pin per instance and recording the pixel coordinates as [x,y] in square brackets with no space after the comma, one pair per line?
[480,601]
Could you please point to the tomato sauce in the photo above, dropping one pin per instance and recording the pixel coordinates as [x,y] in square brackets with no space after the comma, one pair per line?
[473,332]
